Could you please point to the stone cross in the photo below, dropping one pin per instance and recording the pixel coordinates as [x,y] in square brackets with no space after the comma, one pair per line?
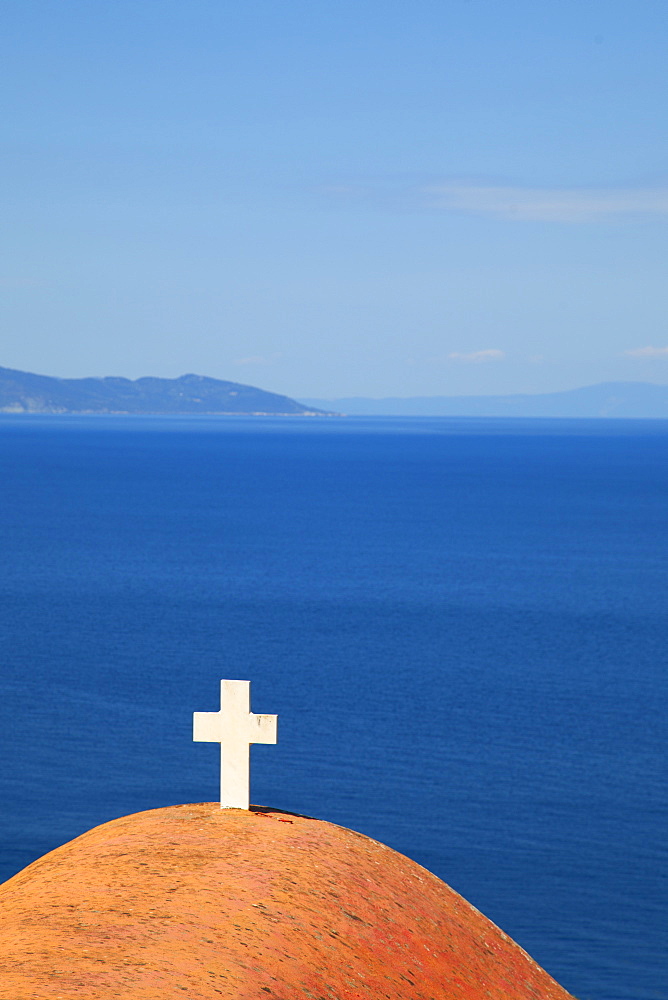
[235,728]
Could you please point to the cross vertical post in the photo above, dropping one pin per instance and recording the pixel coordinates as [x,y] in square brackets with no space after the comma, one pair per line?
[235,727]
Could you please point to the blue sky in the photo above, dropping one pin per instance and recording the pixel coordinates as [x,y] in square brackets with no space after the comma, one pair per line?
[334,198]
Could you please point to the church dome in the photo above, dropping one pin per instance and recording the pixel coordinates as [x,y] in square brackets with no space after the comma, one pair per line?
[206,903]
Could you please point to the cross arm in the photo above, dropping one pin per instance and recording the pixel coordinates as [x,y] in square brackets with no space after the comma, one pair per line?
[262,728]
[206,727]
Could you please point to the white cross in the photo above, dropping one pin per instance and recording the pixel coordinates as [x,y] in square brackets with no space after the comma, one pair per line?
[235,728]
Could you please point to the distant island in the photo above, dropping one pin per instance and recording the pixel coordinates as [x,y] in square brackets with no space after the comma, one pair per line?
[23,392]
[607,399]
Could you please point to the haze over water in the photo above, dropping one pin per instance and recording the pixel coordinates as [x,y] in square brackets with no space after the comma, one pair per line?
[460,623]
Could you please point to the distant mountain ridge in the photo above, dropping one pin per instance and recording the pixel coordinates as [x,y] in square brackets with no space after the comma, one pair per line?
[23,392]
[607,399]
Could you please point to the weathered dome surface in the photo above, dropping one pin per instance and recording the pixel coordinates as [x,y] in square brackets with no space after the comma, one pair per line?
[201,902]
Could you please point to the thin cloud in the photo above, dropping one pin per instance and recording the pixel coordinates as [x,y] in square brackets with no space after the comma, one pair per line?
[527,204]
[477,357]
[647,352]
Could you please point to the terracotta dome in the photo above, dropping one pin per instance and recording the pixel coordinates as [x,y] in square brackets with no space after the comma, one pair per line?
[206,903]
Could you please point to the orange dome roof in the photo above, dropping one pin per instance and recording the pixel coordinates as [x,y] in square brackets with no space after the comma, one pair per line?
[206,903]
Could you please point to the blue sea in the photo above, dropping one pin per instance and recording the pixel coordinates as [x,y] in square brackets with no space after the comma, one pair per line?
[461,625]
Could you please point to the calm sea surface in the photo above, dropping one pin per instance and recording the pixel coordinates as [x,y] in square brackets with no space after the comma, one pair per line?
[460,623]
